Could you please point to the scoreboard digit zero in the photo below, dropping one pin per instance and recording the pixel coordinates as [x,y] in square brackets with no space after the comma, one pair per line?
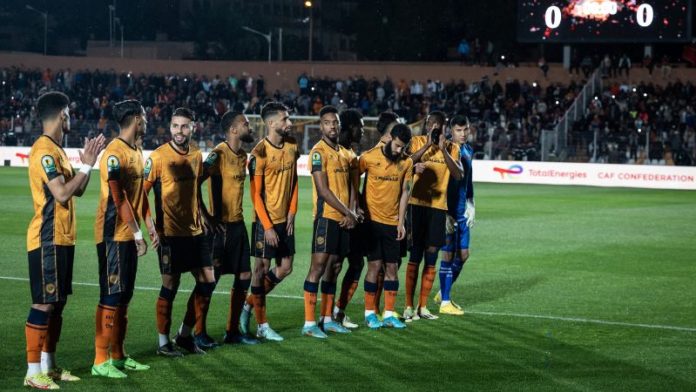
[639,21]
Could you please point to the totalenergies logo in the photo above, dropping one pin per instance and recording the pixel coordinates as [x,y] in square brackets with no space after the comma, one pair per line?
[513,170]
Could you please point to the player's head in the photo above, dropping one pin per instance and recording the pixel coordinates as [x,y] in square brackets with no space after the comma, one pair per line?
[435,120]
[385,122]
[400,138]
[52,108]
[460,128]
[181,126]
[236,125]
[329,124]
[276,116]
[351,127]
[128,113]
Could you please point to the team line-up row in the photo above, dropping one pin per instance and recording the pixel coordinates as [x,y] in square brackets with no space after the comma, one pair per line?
[416,197]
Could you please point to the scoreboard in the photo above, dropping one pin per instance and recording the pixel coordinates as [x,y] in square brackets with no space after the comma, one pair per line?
[573,21]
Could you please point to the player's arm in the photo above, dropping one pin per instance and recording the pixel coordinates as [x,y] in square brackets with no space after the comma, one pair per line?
[406,188]
[416,156]
[255,186]
[63,190]
[125,213]
[453,164]
[151,174]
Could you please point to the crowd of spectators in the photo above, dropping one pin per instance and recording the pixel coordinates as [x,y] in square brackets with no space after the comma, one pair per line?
[508,116]
[642,123]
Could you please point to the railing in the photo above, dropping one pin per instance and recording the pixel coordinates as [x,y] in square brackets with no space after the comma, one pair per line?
[554,143]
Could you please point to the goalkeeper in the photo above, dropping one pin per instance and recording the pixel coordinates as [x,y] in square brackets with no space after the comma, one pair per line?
[460,218]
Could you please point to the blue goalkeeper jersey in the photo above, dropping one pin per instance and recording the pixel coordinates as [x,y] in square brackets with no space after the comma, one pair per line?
[459,191]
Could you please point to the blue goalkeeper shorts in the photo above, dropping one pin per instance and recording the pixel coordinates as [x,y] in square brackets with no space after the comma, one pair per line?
[459,239]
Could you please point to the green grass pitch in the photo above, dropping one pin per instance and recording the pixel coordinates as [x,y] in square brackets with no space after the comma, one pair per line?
[567,288]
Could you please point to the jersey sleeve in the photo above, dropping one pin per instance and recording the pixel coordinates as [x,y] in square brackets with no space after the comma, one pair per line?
[113,166]
[317,161]
[408,174]
[50,168]
[151,172]
[362,164]
[256,165]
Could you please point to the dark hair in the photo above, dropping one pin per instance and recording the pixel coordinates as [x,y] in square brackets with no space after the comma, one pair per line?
[328,109]
[51,104]
[459,119]
[125,111]
[349,118]
[437,114]
[272,108]
[402,132]
[184,112]
[383,121]
[227,119]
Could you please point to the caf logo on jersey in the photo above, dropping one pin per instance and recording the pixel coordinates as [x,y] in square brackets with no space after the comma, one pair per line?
[212,157]
[148,167]
[48,164]
[112,163]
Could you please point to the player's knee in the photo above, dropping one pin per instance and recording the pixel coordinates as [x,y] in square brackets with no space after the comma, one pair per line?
[205,289]
[464,255]
[283,272]
[110,299]
[242,282]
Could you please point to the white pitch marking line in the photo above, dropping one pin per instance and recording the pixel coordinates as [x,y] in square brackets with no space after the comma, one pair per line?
[520,315]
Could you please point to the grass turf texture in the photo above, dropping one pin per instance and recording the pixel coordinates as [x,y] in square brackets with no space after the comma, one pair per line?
[614,255]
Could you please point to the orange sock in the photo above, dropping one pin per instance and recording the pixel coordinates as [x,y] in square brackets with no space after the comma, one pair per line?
[36,335]
[55,325]
[389,300]
[369,300]
[260,308]
[104,331]
[201,306]
[327,304]
[426,285]
[411,280]
[237,298]
[347,292]
[310,305]
[164,316]
[118,337]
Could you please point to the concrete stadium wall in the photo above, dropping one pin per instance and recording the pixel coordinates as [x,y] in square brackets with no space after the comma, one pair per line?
[283,75]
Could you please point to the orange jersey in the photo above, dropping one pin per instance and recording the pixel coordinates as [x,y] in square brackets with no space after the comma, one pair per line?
[276,170]
[430,187]
[384,180]
[227,171]
[175,177]
[337,163]
[123,163]
[53,223]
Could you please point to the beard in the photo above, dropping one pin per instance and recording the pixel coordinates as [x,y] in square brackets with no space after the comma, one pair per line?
[389,153]
[246,138]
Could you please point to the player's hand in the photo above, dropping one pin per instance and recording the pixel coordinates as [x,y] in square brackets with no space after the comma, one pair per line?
[361,215]
[211,225]
[154,238]
[470,214]
[443,143]
[141,246]
[400,232]
[449,224]
[420,167]
[349,221]
[290,224]
[271,237]
[91,150]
